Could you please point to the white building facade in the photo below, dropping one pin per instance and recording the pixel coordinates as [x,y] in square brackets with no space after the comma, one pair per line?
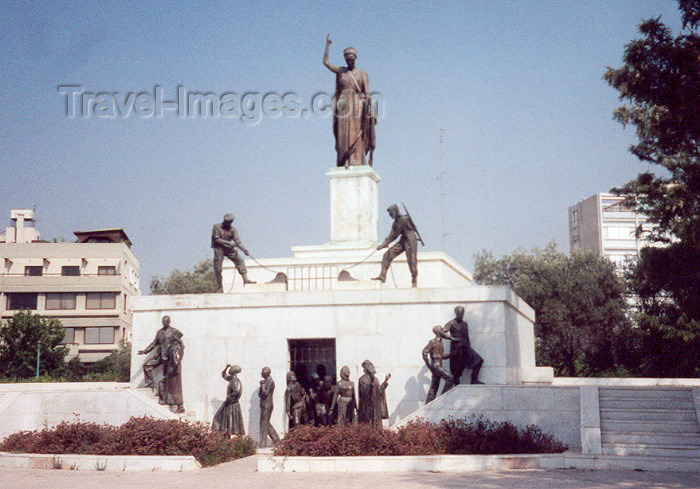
[89,285]
[605,225]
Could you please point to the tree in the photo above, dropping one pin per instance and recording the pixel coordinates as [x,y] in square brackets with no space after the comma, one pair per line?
[19,338]
[581,325]
[661,81]
[201,280]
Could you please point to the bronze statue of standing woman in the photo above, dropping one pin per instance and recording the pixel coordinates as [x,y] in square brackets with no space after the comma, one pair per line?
[353,115]
[229,417]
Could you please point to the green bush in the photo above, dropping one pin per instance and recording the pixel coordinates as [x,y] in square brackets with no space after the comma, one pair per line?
[474,435]
[138,436]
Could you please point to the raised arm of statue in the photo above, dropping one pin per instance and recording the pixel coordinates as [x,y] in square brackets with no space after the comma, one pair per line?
[225,374]
[327,63]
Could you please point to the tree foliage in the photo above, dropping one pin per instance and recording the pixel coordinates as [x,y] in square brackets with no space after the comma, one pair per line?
[201,280]
[660,81]
[115,367]
[581,325]
[19,338]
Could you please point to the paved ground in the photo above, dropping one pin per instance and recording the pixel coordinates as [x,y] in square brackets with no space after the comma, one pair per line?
[242,474]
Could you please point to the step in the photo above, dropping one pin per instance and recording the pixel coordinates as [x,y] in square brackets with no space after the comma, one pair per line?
[650,438]
[658,393]
[648,415]
[647,403]
[623,449]
[652,426]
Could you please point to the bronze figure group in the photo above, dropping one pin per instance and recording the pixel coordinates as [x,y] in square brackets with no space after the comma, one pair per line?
[326,403]
[169,350]
[462,356]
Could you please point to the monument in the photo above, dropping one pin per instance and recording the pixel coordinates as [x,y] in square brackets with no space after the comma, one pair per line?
[330,313]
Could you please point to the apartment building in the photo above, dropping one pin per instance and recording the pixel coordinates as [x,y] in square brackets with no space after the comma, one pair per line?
[605,225]
[87,284]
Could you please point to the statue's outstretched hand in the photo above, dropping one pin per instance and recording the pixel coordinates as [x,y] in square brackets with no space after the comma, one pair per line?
[328,40]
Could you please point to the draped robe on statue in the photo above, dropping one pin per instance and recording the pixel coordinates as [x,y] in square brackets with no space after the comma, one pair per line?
[353,119]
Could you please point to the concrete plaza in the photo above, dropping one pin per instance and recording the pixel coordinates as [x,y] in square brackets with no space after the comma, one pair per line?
[242,474]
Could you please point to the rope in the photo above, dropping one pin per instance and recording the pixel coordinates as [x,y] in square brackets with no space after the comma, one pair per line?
[359,262]
[266,268]
[233,282]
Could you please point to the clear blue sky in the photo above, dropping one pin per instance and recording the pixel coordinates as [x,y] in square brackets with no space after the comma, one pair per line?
[516,86]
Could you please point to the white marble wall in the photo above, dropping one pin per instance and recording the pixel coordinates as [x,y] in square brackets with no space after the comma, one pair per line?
[390,327]
[37,406]
[556,410]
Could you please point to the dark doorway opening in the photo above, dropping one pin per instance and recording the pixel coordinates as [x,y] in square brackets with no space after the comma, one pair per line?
[312,356]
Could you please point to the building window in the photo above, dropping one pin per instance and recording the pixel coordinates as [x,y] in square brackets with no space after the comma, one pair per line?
[33,271]
[574,215]
[99,336]
[60,300]
[21,300]
[107,270]
[69,337]
[101,300]
[70,271]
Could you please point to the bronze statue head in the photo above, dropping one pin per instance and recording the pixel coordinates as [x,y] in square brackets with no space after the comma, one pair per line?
[165,321]
[345,373]
[459,313]
[350,55]
[234,369]
[368,367]
[266,371]
[291,377]
[439,331]
[393,211]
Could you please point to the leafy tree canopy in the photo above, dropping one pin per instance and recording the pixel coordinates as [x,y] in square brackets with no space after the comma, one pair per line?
[581,324]
[201,280]
[660,80]
[19,338]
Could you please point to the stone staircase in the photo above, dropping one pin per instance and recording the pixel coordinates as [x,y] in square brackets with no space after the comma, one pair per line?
[149,396]
[658,422]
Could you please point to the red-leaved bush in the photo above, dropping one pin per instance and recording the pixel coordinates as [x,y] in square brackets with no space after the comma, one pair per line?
[138,436]
[474,435]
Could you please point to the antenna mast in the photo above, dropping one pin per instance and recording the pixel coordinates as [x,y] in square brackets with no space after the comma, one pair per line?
[443,232]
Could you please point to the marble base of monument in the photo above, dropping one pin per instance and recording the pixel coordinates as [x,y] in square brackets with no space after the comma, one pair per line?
[386,325]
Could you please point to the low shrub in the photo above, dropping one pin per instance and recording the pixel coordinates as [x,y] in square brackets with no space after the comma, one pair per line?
[138,436]
[474,435]
[349,440]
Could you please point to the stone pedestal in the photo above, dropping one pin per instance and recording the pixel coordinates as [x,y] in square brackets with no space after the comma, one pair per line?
[354,202]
